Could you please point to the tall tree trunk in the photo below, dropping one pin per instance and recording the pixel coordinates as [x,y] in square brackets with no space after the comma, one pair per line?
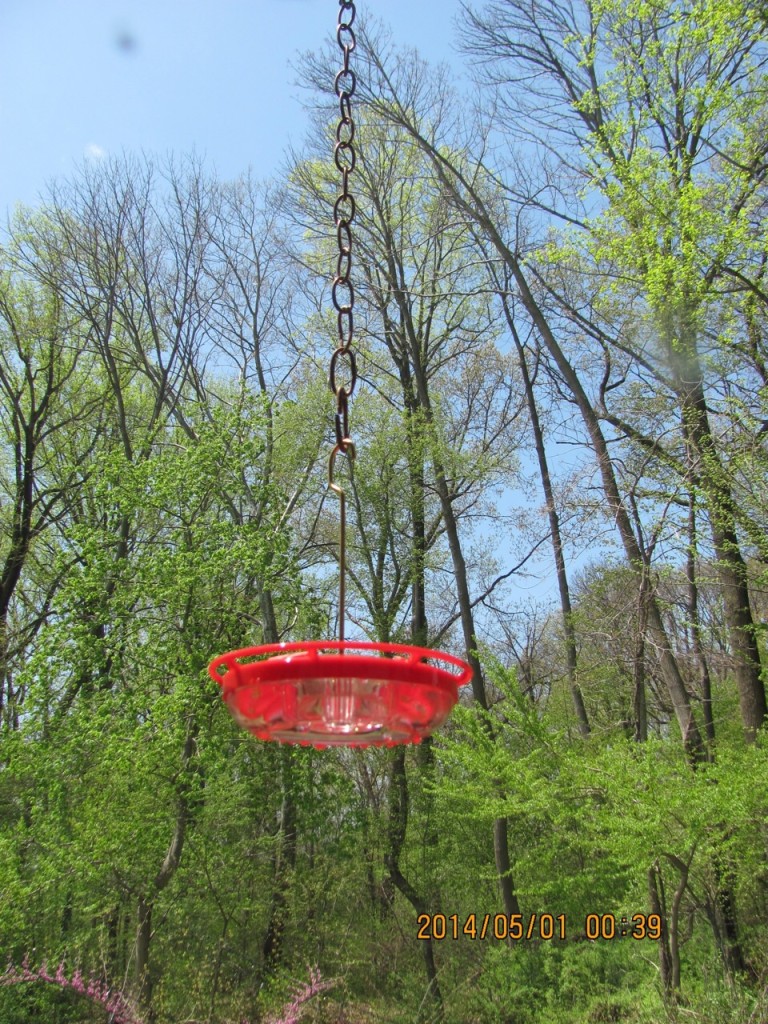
[657,904]
[397,826]
[273,947]
[146,900]
[143,941]
[669,915]
[569,631]
[113,957]
[419,624]
[731,568]
[692,608]
[418,386]
[639,704]
[504,868]
[673,917]
[9,718]
[726,932]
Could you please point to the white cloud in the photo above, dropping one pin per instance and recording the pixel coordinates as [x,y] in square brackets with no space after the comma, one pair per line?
[94,152]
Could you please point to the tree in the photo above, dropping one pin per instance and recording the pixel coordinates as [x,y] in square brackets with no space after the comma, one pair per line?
[46,401]
[657,107]
[407,99]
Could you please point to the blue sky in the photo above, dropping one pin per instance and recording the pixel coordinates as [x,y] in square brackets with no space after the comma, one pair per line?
[83,78]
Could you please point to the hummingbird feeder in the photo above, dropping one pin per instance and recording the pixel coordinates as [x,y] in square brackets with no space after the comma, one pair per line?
[341,692]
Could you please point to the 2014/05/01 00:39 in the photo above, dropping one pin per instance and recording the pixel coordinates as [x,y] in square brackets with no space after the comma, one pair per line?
[545,927]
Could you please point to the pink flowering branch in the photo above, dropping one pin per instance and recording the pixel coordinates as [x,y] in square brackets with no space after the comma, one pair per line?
[114,1003]
[290,1014]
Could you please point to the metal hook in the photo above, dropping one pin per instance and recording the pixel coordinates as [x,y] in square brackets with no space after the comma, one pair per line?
[346,447]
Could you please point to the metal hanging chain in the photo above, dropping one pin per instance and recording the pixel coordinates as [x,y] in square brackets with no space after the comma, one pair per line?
[342,291]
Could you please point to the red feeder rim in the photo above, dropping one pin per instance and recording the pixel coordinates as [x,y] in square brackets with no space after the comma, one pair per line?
[340,693]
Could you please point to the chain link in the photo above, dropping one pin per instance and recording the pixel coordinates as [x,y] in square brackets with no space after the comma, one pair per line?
[342,290]
[342,375]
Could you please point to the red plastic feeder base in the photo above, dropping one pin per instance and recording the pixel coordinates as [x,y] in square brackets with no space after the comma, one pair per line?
[340,693]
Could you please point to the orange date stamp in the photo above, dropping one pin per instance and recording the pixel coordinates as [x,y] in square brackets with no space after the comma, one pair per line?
[517,927]
[538,927]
